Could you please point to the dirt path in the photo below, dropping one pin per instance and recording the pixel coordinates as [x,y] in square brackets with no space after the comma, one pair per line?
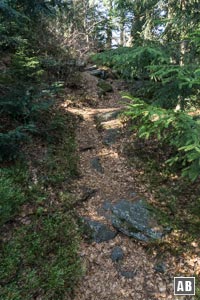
[112,179]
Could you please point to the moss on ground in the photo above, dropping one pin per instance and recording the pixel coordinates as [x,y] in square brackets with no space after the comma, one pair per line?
[39,233]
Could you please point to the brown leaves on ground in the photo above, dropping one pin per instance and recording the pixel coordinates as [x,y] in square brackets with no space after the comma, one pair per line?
[103,280]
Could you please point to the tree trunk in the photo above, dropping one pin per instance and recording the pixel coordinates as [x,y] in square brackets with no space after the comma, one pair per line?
[136,30]
[109,26]
[122,34]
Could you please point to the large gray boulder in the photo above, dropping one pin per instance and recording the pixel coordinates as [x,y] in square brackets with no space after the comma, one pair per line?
[136,219]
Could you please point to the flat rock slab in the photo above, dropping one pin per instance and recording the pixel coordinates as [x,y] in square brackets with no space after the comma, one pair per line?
[136,219]
[107,116]
[98,73]
[111,136]
[96,164]
[128,274]
[99,232]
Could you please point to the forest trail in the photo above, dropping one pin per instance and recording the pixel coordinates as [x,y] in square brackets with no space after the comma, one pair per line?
[106,175]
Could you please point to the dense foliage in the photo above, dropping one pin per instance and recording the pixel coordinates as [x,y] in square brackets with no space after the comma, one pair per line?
[32,62]
[41,258]
[160,81]
[173,128]
[39,254]
[162,68]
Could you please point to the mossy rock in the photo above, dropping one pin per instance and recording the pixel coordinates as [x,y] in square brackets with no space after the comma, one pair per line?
[105,86]
[136,220]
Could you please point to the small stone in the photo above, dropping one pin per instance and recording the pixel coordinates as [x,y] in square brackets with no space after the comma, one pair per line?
[117,254]
[99,232]
[107,205]
[86,194]
[110,136]
[128,274]
[85,148]
[162,288]
[133,194]
[96,164]
[99,73]
[160,267]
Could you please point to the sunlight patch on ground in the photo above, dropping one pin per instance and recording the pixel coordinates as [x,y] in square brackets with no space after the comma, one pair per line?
[107,152]
[112,124]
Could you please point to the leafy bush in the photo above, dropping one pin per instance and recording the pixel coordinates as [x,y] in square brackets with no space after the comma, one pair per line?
[161,81]
[175,84]
[9,144]
[60,162]
[21,109]
[10,141]
[31,61]
[132,62]
[41,259]
[25,67]
[175,128]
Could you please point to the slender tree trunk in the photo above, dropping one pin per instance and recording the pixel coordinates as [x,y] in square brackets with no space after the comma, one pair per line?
[170,20]
[109,38]
[183,44]
[136,29]
[109,26]
[86,8]
[122,28]
[122,34]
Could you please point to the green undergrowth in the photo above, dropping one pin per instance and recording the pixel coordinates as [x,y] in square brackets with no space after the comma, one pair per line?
[59,164]
[41,259]
[11,194]
[165,148]
[176,130]
[39,230]
[175,200]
